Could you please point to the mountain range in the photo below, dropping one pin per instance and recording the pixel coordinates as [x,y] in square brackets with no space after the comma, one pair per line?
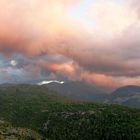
[81,91]
[127,95]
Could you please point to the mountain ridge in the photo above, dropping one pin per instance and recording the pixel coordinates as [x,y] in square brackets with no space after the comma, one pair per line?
[127,95]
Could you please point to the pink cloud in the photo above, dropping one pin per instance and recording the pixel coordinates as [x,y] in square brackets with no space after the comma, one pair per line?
[99,53]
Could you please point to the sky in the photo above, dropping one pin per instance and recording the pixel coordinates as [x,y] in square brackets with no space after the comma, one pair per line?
[96,41]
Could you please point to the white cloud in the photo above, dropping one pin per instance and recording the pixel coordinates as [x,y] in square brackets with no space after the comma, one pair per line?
[13,62]
[51,81]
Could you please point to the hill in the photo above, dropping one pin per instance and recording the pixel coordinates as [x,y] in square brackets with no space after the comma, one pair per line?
[127,95]
[58,118]
[79,91]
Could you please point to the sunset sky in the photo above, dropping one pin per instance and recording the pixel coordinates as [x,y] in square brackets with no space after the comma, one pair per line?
[97,41]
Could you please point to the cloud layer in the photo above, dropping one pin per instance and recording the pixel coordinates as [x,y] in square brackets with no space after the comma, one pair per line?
[77,40]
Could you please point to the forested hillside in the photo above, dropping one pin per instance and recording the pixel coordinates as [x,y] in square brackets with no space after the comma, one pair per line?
[58,118]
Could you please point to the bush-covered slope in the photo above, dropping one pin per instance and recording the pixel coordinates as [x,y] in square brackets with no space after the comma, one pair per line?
[7,132]
[58,118]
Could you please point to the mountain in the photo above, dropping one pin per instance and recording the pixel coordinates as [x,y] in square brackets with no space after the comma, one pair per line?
[79,91]
[35,109]
[6,85]
[127,95]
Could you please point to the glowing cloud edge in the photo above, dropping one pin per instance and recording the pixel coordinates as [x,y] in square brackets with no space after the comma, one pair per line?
[51,81]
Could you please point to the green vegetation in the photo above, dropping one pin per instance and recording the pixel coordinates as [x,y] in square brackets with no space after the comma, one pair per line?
[59,118]
[7,132]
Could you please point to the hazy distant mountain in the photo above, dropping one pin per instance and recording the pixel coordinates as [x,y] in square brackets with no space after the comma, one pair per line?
[79,91]
[128,95]
[6,85]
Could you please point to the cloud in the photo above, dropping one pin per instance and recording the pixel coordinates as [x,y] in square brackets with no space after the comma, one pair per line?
[135,4]
[112,17]
[13,62]
[43,40]
[48,82]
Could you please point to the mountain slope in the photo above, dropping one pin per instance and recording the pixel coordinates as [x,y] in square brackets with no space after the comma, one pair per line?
[128,95]
[79,91]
